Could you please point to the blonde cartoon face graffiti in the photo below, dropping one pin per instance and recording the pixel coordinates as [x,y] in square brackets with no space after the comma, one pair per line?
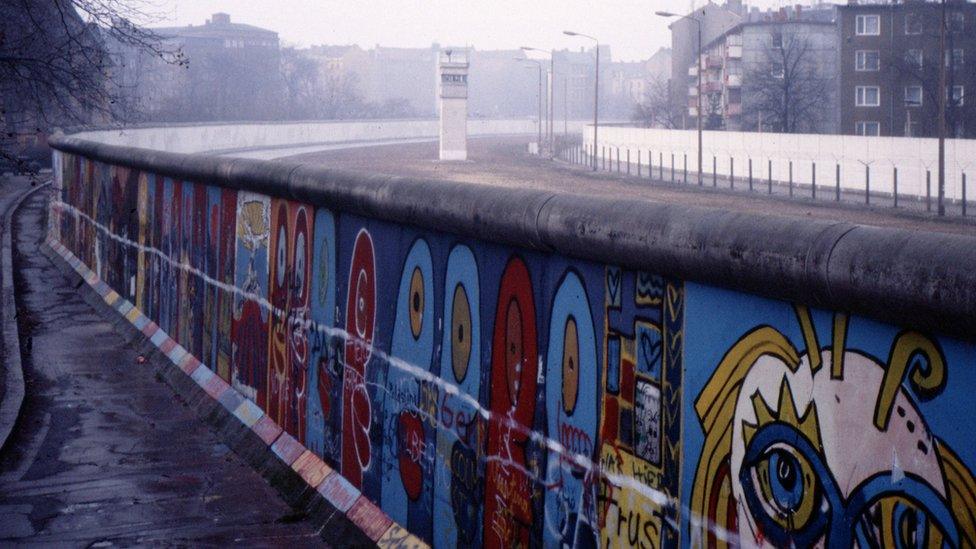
[827,448]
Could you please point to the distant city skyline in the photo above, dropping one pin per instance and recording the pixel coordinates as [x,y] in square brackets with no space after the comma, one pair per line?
[629,27]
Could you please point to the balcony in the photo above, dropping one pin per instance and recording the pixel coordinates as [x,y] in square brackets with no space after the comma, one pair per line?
[692,111]
[734,52]
[733,80]
[712,87]
[693,91]
[693,70]
[733,109]
[714,62]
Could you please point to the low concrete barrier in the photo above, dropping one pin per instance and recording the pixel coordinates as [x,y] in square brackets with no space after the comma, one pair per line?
[495,369]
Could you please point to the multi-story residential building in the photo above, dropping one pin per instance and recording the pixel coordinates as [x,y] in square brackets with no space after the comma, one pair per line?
[630,82]
[715,20]
[230,71]
[890,63]
[775,70]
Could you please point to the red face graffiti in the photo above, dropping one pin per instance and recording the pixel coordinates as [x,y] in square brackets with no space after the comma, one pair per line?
[514,365]
[298,315]
[278,295]
[360,323]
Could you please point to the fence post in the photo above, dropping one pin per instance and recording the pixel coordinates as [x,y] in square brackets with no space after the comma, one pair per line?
[895,183]
[964,194]
[684,178]
[791,179]
[813,184]
[770,181]
[618,159]
[638,162]
[731,173]
[603,155]
[714,171]
[867,184]
[837,192]
[660,164]
[672,167]
[750,175]
[928,190]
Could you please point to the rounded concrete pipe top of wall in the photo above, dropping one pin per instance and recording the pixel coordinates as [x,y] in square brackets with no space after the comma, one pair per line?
[922,280]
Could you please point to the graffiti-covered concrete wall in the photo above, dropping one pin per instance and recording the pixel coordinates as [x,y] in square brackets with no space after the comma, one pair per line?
[486,393]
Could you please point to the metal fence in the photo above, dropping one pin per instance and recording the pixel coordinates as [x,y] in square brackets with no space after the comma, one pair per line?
[807,179]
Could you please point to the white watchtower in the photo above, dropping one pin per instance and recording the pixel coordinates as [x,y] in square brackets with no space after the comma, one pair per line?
[453,69]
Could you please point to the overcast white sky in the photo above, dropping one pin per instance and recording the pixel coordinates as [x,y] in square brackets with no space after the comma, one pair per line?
[628,26]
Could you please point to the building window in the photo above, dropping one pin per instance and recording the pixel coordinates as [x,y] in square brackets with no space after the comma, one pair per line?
[868,96]
[913,96]
[958,97]
[868,128]
[957,21]
[867,60]
[954,59]
[868,25]
[913,58]
[911,127]
[913,23]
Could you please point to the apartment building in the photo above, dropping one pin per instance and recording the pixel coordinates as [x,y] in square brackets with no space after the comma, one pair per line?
[769,52]
[890,64]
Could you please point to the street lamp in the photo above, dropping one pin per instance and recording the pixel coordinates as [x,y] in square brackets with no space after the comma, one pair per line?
[596,89]
[539,122]
[699,110]
[943,97]
[550,83]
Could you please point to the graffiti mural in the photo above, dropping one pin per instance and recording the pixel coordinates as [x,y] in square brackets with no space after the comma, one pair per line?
[251,315]
[509,507]
[459,470]
[487,396]
[641,405]
[408,445]
[324,365]
[290,275]
[357,408]
[570,513]
[778,465]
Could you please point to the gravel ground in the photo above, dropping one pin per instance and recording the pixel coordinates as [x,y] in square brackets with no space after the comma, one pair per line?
[504,162]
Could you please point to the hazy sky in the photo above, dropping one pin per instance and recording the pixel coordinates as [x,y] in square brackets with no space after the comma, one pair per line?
[628,26]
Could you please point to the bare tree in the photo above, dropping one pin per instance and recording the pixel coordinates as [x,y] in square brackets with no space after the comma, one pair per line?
[919,68]
[787,92]
[654,110]
[712,106]
[55,65]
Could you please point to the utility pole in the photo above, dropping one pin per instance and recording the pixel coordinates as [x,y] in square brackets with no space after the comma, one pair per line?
[539,121]
[596,90]
[550,95]
[943,96]
[565,107]
[700,71]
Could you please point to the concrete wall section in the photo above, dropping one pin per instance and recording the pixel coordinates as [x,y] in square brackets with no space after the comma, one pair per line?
[854,154]
[243,136]
[538,370]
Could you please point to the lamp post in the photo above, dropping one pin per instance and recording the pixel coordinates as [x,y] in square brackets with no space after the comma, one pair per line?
[699,109]
[539,121]
[550,83]
[943,96]
[596,89]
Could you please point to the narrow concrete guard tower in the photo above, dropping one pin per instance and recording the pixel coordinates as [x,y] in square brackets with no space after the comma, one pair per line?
[453,69]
